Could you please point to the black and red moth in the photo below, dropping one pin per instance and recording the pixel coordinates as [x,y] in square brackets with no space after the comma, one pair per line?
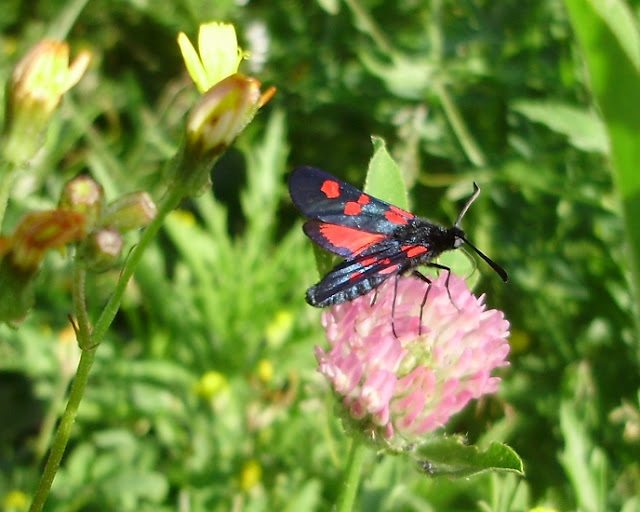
[377,240]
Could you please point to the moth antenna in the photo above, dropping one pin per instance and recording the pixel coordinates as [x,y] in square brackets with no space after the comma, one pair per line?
[498,269]
[474,196]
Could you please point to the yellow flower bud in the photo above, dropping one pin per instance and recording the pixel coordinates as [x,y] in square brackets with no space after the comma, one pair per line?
[34,92]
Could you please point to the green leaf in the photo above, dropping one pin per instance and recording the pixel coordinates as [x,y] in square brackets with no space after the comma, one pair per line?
[583,128]
[305,498]
[404,77]
[384,179]
[610,41]
[324,260]
[451,457]
[330,6]
[584,462]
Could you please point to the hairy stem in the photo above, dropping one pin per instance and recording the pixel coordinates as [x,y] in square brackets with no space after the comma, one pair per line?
[352,476]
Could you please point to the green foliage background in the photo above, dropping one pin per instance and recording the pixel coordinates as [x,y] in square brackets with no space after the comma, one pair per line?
[493,92]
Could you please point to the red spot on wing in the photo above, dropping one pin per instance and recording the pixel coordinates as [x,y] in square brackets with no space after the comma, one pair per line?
[355,276]
[331,189]
[389,270]
[367,262]
[352,208]
[414,250]
[364,199]
[373,260]
[398,215]
[351,239]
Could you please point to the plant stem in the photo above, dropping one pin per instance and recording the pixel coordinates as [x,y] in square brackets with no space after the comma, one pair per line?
[369,26]
[64,429]
[468,143]
[352,473]
[49,422]
[168,203]
[89,340]
[7,176]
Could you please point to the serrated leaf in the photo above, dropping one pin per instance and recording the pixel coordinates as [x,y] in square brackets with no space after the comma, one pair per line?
[451,457]
[384,179]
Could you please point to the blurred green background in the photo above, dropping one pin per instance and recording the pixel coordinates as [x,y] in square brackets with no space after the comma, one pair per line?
[204,395]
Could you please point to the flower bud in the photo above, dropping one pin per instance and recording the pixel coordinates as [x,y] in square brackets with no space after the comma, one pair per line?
[34,93]
[38,232]
[102,249]
[223,112]
[84,195]
[229,103]
[22,253]
[213,124]
[132,211]
[16,500]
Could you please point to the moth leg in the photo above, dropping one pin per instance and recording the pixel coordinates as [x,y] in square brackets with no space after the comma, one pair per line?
[424,278]
[374,298]
[393,305]
[446,283]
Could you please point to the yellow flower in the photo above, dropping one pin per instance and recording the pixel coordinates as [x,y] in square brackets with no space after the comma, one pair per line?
[218,54]
[16,500]
[230,101]
[211,384]
[279,328]
[251,474]
[265,370]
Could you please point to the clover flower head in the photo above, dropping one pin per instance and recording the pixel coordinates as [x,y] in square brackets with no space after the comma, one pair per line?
[412,381]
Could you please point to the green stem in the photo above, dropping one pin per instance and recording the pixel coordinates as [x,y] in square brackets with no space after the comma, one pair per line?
[369,26]
[468,143]
[89,340]
[64,429]
[49,422]
[60,27]
[352,473]
[168,203]
[7,176]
